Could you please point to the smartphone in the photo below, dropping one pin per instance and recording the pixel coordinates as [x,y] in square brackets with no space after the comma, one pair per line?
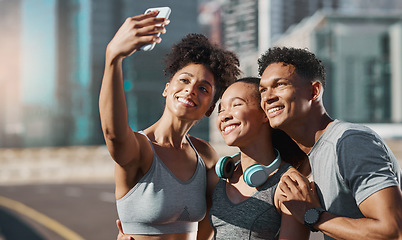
[164,12]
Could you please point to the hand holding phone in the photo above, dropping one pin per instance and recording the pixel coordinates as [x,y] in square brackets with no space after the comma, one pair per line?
[164,12]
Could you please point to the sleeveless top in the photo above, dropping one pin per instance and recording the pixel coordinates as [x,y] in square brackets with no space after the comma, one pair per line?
[254,218]
[160,203]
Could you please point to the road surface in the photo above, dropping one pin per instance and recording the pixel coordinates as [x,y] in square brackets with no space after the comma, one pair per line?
[58,211]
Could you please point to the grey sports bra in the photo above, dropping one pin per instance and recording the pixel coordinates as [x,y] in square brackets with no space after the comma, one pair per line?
[160,203]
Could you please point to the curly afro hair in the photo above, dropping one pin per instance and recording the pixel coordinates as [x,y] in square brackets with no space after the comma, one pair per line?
[195,48]
[306,63]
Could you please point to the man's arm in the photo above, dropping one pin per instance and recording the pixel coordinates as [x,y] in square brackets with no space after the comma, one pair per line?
[382,211]
[383,218]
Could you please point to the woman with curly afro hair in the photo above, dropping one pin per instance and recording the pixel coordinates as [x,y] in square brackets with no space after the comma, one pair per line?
[160,172]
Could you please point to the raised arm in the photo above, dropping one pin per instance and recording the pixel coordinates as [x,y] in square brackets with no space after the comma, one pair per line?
[121,141]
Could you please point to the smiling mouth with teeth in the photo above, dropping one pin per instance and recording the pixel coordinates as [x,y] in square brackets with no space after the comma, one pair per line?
[186,102]
[275,109]
[229,128]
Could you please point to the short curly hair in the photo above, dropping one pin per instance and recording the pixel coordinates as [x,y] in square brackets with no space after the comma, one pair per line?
[306,63]
[196,48]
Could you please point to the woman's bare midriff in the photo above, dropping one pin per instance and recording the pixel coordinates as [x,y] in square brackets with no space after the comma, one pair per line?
[172,236]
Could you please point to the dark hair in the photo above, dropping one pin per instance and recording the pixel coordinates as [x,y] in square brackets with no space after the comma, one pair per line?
[195,48]
[306,63]
[289,150]
[254,81]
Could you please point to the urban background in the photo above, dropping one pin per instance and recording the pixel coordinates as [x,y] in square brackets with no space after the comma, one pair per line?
[53,56]
[52,59]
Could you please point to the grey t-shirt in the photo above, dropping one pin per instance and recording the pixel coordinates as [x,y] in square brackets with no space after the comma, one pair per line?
[349,163]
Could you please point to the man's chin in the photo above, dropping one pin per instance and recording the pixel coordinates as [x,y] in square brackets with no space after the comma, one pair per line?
[274,123]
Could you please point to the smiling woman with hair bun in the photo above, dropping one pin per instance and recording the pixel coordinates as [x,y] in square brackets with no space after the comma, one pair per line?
[160,172]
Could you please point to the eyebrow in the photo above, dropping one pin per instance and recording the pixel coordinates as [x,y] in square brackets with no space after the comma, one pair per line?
[191,75]
[280,78]
[235,98]
[277,79]
[187,73]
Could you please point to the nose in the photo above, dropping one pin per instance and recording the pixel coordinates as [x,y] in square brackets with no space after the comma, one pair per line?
[268,96]
[190,89]
[225,116]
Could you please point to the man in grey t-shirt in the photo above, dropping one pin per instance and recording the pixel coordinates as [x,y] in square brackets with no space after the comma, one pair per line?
[356,193]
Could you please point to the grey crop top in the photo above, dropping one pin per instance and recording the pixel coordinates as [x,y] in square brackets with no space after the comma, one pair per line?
[160,203]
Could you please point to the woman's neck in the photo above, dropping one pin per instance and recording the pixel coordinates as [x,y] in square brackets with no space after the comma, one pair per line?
[260,152]
[170,131]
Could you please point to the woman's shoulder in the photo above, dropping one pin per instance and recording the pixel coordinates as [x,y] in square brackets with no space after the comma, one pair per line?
[206,151]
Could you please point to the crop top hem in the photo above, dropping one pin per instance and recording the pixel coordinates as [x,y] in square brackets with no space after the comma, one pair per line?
[146,229]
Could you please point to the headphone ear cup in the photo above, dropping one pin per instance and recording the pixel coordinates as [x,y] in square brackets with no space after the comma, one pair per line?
[225,166]
[255,175]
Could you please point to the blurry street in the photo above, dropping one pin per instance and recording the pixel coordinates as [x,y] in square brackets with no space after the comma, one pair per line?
[57,193]
[61,211]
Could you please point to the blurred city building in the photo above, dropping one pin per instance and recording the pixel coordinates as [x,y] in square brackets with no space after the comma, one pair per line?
[53,57]
[52,66]
[51,71]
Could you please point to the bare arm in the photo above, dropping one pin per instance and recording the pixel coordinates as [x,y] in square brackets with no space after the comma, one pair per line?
[291,229]
[383,218]
[121,141]
[205,229]
[382,211]
[210,157]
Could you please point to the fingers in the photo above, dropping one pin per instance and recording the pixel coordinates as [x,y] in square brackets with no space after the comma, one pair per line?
[134,33]
[147,29]
[300,181]
[289,187]
[282,197]
[151,30]
[147,26]
[121,235]
[315,198]
[149,19]
[294,185]
[145,15]
[118,223]
[313,188]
